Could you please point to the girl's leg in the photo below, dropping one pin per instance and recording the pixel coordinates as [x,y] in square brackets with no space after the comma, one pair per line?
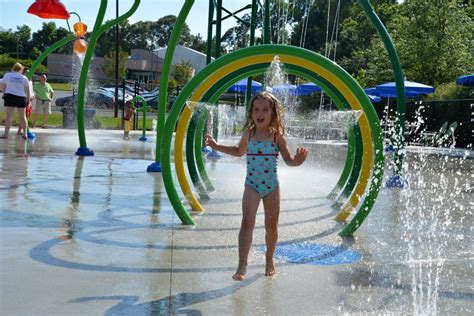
[8,120]
[271,204]
[22,116]
[250,202]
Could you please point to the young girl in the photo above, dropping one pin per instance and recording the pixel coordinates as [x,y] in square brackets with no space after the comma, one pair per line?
[127,116]
[262,140]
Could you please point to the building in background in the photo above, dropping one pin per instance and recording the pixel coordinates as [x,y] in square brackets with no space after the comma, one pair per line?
[183,54]
[143,66]
[66,67]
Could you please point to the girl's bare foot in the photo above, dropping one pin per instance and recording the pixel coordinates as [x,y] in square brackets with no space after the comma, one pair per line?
[240,274]
[270,268]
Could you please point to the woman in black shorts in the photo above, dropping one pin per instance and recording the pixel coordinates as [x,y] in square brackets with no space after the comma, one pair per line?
[16,94]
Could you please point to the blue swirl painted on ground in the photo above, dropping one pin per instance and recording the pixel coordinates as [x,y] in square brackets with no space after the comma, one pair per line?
[318,254]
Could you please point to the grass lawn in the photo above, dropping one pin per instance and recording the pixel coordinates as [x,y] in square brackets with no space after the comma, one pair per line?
[100,122]
[62,86]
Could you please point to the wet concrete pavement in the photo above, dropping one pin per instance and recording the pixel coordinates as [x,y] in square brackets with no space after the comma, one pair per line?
[97,235]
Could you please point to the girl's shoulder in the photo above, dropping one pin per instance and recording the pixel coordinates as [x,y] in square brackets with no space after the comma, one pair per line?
[279,134]
[246,134]
[280,137]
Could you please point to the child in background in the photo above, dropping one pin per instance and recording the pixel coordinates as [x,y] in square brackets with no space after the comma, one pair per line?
[127,116]
[263,139]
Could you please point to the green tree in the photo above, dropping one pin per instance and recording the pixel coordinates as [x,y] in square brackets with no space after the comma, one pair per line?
[183,72]
[107,41]
[144,35]
[108,64]
[161,32]
[43,38]
[139,35]
[435,40]
[23,35]
[16,44]
[360,49]
[281,17]
[47,36]
[62,33]
[311,28]
[450,91]
[237,37]
[198,44]
[6,63]
[7,42]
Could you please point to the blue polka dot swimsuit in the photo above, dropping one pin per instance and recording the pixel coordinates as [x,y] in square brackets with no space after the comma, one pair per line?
[262,160]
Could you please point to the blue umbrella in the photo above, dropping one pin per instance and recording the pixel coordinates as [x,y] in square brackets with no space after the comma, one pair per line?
[384,94]
[412,89]
[374,98]
[307,88]
[373,95]
[241,86]
[467,80]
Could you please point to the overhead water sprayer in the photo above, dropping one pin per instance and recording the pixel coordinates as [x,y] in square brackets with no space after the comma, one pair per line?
[80,45]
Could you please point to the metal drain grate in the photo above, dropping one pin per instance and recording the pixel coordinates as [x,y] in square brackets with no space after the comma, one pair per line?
[315,254]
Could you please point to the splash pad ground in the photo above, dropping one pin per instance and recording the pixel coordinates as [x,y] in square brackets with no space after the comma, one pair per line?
[98,236]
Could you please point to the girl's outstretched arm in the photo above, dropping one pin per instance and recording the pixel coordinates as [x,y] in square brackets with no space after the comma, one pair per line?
[290,160]
[237,150]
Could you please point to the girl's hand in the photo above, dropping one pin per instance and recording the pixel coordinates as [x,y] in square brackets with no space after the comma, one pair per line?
[300,157]
[210,141]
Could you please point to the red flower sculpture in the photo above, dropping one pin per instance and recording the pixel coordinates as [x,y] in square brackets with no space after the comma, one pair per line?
[49,9]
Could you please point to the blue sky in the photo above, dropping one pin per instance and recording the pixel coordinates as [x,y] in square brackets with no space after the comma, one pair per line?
[13,12]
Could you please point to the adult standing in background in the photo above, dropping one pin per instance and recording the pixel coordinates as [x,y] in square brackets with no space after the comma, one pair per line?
[16,94]
[44,95]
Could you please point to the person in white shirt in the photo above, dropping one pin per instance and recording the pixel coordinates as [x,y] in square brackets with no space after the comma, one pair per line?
[16,94]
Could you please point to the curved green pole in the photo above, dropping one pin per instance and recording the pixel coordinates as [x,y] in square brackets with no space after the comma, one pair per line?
[351,171]
[218,50]
[95,34]
[348,180]
[198,141]
[369,111]
[144,110]
[163,95]
[398,139]
[356,167]
[341,104]
[40,59]
[212,95]
[353,163]
[48,51]
[260,68]
[191,163]
[347,165]
[83,150]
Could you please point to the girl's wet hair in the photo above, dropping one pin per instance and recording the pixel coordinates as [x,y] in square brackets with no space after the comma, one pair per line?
[276,124]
